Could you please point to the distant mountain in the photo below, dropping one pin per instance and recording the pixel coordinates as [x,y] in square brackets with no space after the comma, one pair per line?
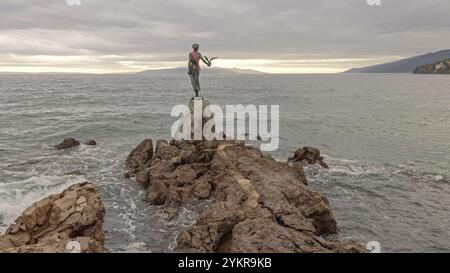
[405,65]
[208,70]
[441,67]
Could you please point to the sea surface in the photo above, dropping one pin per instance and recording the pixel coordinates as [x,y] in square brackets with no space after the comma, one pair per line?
[386,138]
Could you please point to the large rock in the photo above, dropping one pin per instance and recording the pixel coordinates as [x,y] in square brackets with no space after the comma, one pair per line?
[66,222]
[141,155]
[261,205]
[308,156]
[67,143]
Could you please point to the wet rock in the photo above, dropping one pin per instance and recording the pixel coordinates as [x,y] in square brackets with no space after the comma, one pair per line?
[90,142]
[141,155]
[157,193]
[66,222]
[266,236]
[308,156]
[260,205]
[67,143]
[143,177]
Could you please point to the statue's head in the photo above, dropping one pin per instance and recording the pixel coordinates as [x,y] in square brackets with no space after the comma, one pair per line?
[195,47]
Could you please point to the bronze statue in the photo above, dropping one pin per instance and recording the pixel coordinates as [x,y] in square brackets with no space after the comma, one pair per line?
[194,67]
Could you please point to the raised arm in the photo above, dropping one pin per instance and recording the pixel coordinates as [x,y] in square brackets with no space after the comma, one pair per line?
[203,60]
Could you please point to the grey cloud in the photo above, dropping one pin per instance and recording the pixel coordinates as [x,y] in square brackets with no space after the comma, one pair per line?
[233,29]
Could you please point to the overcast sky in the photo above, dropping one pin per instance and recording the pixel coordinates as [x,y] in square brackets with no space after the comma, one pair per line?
[290,36]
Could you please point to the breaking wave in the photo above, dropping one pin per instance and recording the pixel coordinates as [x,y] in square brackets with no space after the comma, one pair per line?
[15,197]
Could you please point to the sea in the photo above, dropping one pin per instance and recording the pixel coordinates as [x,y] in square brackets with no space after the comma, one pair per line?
[386,138]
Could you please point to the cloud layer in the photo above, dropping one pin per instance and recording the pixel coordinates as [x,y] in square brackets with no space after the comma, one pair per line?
[277,36]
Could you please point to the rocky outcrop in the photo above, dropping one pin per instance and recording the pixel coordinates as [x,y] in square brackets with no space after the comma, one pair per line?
[68,143]
[141,155]
[260,205]
[90,142]
[308,156]
[66,222]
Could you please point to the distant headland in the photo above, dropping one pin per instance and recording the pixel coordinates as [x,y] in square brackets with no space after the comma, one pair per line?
[441,67]
[407,65]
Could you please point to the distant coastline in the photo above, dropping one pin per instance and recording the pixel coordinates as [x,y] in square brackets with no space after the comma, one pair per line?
[440,68]
[163,71]
[407,65]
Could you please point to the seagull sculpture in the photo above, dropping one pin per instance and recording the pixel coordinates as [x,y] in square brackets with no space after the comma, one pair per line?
[210,60]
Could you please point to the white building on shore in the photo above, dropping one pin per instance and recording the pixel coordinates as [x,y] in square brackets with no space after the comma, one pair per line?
[440,66]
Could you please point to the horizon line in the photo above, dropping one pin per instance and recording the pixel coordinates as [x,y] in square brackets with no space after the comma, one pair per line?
[167,68]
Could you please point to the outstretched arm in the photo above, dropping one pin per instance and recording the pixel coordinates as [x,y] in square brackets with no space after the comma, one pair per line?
[203,60]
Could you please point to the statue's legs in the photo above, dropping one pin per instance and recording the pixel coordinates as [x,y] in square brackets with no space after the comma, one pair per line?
[195,80]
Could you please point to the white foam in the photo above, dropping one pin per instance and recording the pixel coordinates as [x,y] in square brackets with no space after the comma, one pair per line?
[355,170]
[138,247]
[435,177]
[15,197]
